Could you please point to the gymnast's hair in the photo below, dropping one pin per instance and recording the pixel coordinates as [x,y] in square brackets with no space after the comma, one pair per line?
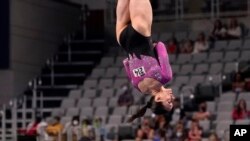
[156,107]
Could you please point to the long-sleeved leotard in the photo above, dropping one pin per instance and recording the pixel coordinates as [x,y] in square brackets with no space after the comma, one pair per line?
[157,67]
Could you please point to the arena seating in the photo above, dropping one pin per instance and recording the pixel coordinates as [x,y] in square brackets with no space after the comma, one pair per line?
[88,84]
[99,93]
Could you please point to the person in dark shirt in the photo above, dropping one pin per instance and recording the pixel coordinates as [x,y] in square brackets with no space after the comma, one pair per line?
[126,98]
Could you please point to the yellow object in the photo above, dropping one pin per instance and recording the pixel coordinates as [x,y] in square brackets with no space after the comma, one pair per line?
[54,130]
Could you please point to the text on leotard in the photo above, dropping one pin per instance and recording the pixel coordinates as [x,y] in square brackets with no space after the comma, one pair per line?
[138,72]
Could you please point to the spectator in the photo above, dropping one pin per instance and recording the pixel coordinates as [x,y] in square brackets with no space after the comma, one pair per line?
[213,137]
[55,128]
[188,45]
[73,128]
[41,127]
[202,113]
[160,128]
[31,131]
[31,128]
[219,31]
[160,122]
[178,132]
[111,135]
[181,48]
[195,132]
[172,46]
[176,114]
[145,131]
[88,132]
[240,112]
[126,98]
[99,129]
[160,135]
[234,30]
[201,44]
[238,85]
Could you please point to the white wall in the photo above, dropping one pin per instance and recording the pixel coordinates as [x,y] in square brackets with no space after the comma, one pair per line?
[37,29]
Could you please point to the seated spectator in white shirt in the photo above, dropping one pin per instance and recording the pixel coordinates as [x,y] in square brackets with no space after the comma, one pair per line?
[201,44]
[234,29]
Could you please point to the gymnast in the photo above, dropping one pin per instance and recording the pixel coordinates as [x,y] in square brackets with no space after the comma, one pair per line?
[147,65]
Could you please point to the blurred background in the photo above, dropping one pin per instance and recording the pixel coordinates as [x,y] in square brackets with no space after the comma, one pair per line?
[62,78]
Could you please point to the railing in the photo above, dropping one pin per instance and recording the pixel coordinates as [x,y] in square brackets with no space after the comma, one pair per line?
[166,10]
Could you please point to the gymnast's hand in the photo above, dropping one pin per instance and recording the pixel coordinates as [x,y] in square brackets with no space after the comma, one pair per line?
[166,97]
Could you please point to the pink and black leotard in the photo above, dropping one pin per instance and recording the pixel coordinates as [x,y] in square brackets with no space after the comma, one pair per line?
[144,60]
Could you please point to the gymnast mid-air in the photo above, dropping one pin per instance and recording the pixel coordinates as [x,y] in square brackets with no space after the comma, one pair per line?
[147,64]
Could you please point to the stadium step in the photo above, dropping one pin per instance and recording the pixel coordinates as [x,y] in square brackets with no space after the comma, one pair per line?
[71,67]
[52,91]
[68,69]
[78,56]
[63,79]
[81,45]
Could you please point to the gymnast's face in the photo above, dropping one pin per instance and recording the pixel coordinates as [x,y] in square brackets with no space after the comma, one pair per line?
[165,96]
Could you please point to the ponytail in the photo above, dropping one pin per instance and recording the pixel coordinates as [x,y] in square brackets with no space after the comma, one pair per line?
[156,107]
[142,111]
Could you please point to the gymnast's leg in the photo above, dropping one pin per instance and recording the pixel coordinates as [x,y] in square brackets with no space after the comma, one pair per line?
[138,12]
[122,16]
[141,16]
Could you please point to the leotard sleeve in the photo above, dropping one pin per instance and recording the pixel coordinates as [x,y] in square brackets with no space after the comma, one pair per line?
[164,62]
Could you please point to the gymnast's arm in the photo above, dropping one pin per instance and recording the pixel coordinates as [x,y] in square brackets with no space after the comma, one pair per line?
[164,61]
